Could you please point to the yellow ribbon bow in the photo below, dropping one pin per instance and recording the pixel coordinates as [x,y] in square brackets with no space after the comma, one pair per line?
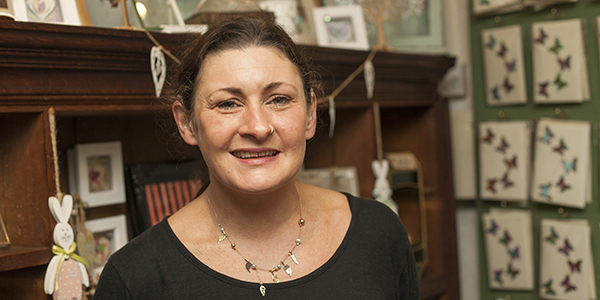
[60,251]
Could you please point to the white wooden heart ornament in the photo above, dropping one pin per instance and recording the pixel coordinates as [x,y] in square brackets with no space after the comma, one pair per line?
[158,66]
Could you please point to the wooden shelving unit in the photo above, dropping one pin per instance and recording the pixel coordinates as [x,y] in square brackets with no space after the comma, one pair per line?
[99,83]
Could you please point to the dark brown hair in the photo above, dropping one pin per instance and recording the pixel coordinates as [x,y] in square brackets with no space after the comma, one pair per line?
[239,33]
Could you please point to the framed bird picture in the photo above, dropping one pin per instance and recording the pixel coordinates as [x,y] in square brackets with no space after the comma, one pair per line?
[503,63]
[561,164]
[566,266]
[509,249]
[559,62]
[504,160]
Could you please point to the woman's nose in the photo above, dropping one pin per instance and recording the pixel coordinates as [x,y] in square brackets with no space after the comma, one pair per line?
[256,122]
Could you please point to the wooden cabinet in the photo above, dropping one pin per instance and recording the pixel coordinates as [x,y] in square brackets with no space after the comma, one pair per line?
[99,83]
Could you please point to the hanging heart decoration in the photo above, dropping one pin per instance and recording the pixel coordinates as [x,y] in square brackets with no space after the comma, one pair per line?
[158,67]
[369,78]
[331,117]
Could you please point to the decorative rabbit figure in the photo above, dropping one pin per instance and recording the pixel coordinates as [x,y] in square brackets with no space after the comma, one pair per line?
[66,271]
[382,191]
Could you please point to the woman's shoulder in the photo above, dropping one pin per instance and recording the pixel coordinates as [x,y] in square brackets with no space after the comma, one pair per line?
[149,243]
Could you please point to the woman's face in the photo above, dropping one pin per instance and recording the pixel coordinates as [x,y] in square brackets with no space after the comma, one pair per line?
[251,120]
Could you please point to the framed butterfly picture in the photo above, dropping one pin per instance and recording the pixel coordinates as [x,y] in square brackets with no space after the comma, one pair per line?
[561,173]
[509,249]
[504,160]
[566,265]
[503,63]
[559,63]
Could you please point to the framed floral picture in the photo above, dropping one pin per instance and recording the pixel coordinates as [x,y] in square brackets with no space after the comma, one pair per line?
[341,27]
[46,11]
[110,234]
[96,173]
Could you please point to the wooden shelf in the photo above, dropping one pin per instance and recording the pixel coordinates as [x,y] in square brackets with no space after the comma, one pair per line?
[15,257]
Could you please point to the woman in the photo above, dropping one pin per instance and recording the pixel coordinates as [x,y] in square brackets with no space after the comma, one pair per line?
[245,96]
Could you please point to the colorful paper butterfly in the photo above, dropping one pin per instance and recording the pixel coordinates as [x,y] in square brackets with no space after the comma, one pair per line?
[563,185]
[511,163]
[514,254]
[495,94]
[489,136]
[498,276]
[561,147]
[493,228]
[575,266]
[566,248]
[567,284]
[506,182]
[512,272]
[503,146]
[542,38]
[545,190]
[570,166]
[549,289]
[491,43]
[510,66]
[553,236]
[565,64]
[491,186]
[544,88]
[502,50]
[506,239]
[547,135]
[557,46]
[507,85]
[559,82]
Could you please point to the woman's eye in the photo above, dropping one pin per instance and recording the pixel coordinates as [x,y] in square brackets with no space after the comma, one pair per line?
[228,104]
[280,100]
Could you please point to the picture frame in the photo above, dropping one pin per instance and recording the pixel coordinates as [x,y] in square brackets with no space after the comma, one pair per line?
[97,173]
[341,27]
[110,234]
[4,240]
[341,179]
[52,11]
[5,10]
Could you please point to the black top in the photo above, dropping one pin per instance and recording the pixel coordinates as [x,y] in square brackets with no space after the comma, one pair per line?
[374,261]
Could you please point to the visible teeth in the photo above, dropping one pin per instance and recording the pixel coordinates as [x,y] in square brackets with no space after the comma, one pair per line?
[245,154]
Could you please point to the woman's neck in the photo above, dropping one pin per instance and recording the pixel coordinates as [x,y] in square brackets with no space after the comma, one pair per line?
[251,215]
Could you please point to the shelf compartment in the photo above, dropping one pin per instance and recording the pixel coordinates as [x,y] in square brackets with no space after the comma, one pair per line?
[15,257]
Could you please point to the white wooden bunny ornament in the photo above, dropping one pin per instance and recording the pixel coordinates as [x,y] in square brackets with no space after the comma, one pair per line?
[66,271]
[382,191]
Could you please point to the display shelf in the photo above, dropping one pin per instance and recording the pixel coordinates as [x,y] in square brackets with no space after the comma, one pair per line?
[15,257]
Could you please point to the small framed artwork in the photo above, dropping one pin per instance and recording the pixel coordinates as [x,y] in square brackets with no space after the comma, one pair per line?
[110,234]
[5,9]
[46,11]
[341,179]
[4,240]
[341,27]
[98,169]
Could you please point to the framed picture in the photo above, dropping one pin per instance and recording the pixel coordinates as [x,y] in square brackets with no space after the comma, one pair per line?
[418,29]
[110,234]
[341,27]
[5,9]
[341,179]
[47,11]
[97,173]
[4,240]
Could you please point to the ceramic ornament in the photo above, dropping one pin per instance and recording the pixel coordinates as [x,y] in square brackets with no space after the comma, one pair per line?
[503,63]
[66,271]
[504,160]
[559,62]
[509,249]
[158,66]
[566,266]
[482,7]
[561,164]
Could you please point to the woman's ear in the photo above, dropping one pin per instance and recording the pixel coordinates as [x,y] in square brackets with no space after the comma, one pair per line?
[311,123]
[184,125]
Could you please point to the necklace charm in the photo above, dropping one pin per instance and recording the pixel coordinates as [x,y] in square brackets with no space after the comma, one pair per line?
[293,257]
[275,277]
[249,266]
[287,269]
[262,289]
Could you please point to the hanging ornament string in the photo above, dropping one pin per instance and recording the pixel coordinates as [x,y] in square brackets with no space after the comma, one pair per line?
[158,44]
[378,139]
[52,119]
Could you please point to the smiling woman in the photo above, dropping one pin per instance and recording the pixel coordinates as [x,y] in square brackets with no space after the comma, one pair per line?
[246,98]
